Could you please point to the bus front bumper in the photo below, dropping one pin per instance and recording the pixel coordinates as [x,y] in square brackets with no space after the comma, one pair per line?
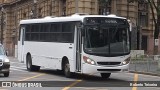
[92,69]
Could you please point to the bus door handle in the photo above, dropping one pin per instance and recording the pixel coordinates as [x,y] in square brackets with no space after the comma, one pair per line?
[70,47]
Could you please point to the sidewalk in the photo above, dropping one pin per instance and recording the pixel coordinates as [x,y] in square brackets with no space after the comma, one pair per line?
[145,73]
[11,58]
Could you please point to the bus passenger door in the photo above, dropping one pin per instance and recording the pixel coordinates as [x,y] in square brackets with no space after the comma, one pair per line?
[21,44]
[78,50]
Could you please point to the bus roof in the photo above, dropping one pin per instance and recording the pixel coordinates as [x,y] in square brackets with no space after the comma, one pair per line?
[74,17]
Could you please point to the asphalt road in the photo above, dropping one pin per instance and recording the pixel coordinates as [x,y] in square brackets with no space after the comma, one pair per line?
[55,80]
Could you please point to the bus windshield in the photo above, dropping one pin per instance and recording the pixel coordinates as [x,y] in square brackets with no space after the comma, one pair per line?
[107,40]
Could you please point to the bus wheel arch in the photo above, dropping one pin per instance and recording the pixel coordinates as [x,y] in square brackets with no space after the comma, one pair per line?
[29,65]
[66,67]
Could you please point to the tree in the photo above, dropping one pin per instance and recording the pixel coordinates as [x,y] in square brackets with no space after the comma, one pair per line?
[156,31]
[153,8]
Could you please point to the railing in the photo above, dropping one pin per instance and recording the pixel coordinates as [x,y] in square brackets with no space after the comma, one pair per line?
[145,63]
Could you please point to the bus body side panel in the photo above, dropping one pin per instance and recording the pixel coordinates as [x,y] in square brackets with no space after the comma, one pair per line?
[49,54]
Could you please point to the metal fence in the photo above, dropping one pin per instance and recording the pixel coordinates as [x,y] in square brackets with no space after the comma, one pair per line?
[145,63]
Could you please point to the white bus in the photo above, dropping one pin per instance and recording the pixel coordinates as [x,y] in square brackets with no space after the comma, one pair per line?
[87,44]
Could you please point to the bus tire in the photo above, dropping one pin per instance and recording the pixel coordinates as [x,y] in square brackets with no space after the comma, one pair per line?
[29,65]
[6,74]
[105,75]
[67,72]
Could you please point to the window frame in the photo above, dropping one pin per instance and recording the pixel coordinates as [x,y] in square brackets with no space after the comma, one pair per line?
[61,31]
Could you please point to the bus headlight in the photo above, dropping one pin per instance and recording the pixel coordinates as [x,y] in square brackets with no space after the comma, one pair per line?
[126,61]
[88,60]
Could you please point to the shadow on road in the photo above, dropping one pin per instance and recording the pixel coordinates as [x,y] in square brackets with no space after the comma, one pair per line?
[80,76]
[88,80]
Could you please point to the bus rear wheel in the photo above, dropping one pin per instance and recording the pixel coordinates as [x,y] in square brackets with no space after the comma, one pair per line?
[105,75]
[67,72]
[29,65]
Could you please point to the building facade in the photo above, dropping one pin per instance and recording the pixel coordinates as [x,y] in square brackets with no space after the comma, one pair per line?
[139,13]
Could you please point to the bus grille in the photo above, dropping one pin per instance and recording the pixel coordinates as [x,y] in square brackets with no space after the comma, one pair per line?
[1,62]
[109,63]
[108,69]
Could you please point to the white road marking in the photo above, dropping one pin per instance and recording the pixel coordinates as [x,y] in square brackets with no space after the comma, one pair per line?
[14,69]
[17,63]
[18,67]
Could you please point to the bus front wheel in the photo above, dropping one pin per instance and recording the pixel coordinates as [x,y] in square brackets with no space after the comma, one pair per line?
[105,75]
[67,72]
[29,65]
[6,74]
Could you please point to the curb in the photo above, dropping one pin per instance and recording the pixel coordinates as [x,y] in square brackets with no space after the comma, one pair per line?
[146,73]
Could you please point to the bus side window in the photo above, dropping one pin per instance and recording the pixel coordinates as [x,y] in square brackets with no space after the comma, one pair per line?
[67,32]
[28,33]
[55,32]
[35,32]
